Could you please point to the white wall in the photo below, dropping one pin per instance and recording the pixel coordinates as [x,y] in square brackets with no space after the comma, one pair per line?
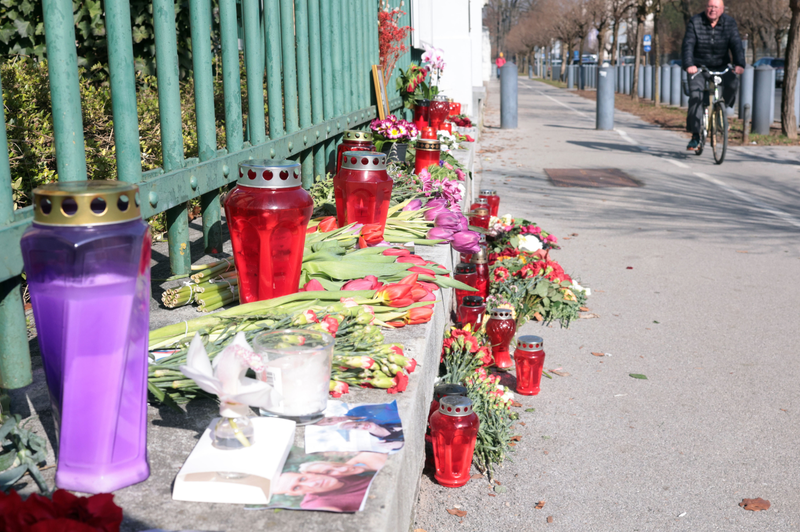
[455,26]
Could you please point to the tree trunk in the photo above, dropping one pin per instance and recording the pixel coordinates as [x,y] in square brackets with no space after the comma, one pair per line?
[657,52]
[636,80]
[615,33]
[788,119]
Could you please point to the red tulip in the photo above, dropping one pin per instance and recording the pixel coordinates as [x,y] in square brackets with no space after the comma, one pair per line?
[372,234]
[328,224]
[412,259]
[370,282]
[396,252]
[419,315]
[418,292]
[430,286]
[423,271]
[338,389]
[312,286]
[395,295]
[409,279]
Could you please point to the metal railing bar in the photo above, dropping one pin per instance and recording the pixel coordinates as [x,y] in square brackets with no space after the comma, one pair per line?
[231,80]
[317,104]
[272,24]
[302,44]
[290,101]
[254,60]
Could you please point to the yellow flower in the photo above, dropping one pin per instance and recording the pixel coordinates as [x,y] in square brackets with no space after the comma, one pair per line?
[569,296]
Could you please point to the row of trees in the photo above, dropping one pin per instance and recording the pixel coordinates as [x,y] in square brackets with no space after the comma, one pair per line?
[520,27]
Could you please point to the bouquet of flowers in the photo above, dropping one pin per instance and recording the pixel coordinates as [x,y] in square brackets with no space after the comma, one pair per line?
[412,85]
[507,234]
[391,37]
[392,129]
[461,120]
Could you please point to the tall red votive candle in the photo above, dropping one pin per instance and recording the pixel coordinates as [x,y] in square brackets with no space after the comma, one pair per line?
[454,431]
[529,357]
[500,329]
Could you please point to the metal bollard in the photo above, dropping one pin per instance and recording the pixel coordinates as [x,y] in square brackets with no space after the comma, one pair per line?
[640,88]
[684,95]
[648,82]
[666,84]
[763,96]
[593,76]
[746,124]
[618,71]
[626,79]
[530,71]
[676,89]
[508,96]
[571,77]
[605,98]
[772,99]
[557,73]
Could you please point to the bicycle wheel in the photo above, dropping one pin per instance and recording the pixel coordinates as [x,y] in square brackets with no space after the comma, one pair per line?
[719,130]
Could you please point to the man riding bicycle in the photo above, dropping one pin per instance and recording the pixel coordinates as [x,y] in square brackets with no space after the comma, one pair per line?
[711,38]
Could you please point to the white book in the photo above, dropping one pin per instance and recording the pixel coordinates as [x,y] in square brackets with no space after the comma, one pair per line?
[240,476]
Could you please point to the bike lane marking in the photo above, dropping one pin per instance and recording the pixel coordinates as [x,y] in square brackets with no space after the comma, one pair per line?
[584,115]
[785,216]
[626,137]
[677,163]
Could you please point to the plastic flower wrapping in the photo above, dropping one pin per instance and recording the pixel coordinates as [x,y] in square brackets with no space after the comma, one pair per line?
[393,128]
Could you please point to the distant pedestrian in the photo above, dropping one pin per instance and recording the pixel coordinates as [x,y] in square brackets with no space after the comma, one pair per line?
[500,61]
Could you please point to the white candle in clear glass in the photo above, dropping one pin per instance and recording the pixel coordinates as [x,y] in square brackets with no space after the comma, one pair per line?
[298,366]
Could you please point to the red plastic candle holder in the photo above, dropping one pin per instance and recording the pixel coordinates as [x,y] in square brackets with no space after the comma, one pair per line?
[440,108]
[446,126]
[466,273]
[422,117]
[480,217]
[428,133]
[353,141]
[500,329]
[454,431]
[455,109]
[481,262]
[268,213]
[529,357]
[471,312]
[362,189]
[428,153]
[445,390]
[479,202]
[492,199]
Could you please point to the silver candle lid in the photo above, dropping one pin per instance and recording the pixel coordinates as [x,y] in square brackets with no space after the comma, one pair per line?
[481,257]
[530,343]
[446,390]
[364,160]
[502,314]
[455,406]
[269,173]
[482,200]
[488,192]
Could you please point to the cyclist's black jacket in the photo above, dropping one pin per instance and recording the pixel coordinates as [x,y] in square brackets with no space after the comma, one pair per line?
[709,47]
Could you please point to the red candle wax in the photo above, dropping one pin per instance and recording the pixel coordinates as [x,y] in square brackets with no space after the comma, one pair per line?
[446,126]
[428,153]
[455,109]
[500,329]
[268,213]
[428,133]
[529,357]
[454,431]
[422,116]
[480,217]
[440,108]
[481,202]
[492,199]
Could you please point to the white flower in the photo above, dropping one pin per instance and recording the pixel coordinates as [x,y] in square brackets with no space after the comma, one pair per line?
[578,288]
[508,395]
[529,243]
[226,378]
[507,219]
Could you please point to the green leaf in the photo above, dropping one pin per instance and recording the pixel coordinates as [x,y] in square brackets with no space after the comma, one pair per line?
[139,33]
[541,289]
[500,489]
[530,410]
[7,32]
[26,7]
[638,376]
[10,477]
[654,321]
[7,460]
[24,28]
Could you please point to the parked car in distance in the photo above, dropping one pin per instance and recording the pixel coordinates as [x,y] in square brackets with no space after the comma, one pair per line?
[628,59]
[676,62]
[763,61]
[588,59]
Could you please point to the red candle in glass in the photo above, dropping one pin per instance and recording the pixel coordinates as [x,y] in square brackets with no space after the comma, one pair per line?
[362,189]
[471,312]
[428,133]
[480,217]
[467,274]
[529,357]
[454,431]
[422,116]
[481,262]
[446,126]
[268,213]
[500,329]
[353,141]
[444,390]
[479,202]
[492,199]
[455,109]
[428,153]
[440,108]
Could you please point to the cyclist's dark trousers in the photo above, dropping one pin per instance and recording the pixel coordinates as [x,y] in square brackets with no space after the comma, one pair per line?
[694,119]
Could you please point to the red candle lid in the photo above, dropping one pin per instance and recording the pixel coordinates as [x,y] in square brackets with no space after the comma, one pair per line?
[364,160]
[269,173]
[530,343]
[482,200]
[455,406]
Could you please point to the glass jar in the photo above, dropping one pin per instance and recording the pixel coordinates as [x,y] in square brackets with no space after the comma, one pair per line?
[466,273]
[481,263]
[362,189]
[444,390]
[428,133]
[529,357]
[500,329]
[455,108]
[440,108]
[492,199]
[353,140]
[467,257]
[446,126]
[422,117]
[268,213]
[471,312]
[298,367]
[87,260]
[480,217]
[428,153]
[454,431]
[479,202]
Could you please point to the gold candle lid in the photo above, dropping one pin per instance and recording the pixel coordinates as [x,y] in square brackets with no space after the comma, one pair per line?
[86,203]
[481,211]
[353,135]
[428,144]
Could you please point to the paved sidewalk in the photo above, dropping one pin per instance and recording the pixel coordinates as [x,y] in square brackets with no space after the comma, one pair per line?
[695,282]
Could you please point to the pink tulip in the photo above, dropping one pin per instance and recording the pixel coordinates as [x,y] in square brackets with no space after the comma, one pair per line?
[313,286]
[438,233]
[466,242]
[370,282]
[448,220]
[413,205]
[433,213]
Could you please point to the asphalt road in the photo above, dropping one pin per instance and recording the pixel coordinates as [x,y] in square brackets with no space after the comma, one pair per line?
[695,284]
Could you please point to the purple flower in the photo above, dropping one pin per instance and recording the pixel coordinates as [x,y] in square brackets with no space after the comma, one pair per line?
[436,203]
[448,220]
[466,242]
[464,223]
[433,213]
[413,205]
[438,233]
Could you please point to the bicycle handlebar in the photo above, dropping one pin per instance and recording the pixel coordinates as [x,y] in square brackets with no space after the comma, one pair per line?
[705,70]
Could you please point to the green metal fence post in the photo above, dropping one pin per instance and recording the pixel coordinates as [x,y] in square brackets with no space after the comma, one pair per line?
[65,94]
[15,359]
[272,23]
[169,109]
[304,86]
[345,33]
[128,152]
[254,59]
[289,70]
[317,106]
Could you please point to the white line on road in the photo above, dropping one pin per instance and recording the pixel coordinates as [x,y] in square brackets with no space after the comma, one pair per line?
[626,137]
[677,163]
[564,105]
[786,217]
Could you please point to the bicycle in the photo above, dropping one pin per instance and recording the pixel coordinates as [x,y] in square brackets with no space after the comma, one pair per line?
[715,123]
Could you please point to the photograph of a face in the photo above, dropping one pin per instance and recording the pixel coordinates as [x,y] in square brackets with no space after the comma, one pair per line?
[331,481]
[356,427]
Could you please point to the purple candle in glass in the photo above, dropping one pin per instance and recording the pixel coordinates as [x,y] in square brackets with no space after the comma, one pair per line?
[87,259]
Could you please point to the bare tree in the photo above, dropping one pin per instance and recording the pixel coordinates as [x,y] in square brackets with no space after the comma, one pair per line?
[601,17]
[656,6]
[788,119]
[501,15]
[775,15]
[641,17]
[618,9]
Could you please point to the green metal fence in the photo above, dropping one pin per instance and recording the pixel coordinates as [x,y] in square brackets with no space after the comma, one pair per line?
[315,57]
